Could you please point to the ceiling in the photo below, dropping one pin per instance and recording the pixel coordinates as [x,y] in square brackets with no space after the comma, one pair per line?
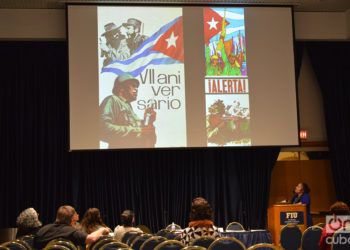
[300,5]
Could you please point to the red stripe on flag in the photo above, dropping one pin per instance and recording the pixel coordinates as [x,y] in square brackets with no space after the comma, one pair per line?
[171,42]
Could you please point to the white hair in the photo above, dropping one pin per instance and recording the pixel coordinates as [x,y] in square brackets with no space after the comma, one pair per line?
[28,218]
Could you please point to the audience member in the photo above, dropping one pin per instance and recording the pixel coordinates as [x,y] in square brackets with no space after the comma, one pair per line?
[128,220]
[28,222]
[337,209]
[201,222]
[63,227]
[302,196]
[92,221]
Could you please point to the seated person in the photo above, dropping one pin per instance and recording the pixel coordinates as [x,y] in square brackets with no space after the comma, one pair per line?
[338,208]
[92,221]
[27,222]
[201,222]
[63,227]
[128,220]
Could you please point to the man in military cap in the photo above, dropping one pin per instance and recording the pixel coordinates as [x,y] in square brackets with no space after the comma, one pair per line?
[119,125]
[134,39]
[115,46]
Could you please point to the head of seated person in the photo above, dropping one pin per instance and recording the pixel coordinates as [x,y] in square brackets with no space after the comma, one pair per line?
[28,222]
[127,219]
[339,208]
[64,227]
[201,222]
[67,215]
[92,220]
[201,213]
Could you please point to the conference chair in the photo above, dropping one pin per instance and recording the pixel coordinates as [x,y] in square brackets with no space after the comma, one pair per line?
[171,226]
[101,242]
[17,245]
[129,237]
[170,245]
[341,239]
[152,242]
[227,243]
[29,239]
[234,226]
[194,248]
[62,242]
[321,224]
[163,232]
[203,241]
[56,247]
[114,245]
[264,246]
[144,229]
[311,238]
[173,236]
[139,240]
[122,249]
[290,237]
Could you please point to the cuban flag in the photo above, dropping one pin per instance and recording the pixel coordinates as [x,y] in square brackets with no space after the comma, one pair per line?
[212,24]
[234,23]
[163,47]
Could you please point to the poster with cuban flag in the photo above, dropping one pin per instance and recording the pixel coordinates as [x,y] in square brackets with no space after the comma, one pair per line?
[225,46]
[145,43]
[226,81]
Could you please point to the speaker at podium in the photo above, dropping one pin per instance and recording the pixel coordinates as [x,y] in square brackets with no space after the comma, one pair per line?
[280,215]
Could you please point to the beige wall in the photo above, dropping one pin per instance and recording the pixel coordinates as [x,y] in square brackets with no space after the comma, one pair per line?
[321,26]
[316,173]
[51,24]
[48,24]
[311,115]
[348,22]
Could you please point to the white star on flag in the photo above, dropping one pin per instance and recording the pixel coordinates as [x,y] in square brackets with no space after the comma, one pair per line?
[212,24]
[171,40]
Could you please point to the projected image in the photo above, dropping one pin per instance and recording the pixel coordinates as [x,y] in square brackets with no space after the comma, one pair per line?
[226,82]
[141,77]
[225,49]
[228,120]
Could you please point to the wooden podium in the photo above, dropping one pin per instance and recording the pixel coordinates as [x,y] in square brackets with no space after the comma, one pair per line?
[280,215]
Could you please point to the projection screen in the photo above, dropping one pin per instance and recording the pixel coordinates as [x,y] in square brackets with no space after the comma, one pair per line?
[181,76]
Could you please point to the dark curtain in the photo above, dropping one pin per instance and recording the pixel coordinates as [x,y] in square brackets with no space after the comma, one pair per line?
[330,61]
[37,170]
[298,58]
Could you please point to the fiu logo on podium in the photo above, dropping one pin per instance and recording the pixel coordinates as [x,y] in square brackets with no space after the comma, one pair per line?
[295,217]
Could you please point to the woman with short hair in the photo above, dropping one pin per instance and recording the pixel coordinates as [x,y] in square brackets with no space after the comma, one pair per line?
[28,222]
